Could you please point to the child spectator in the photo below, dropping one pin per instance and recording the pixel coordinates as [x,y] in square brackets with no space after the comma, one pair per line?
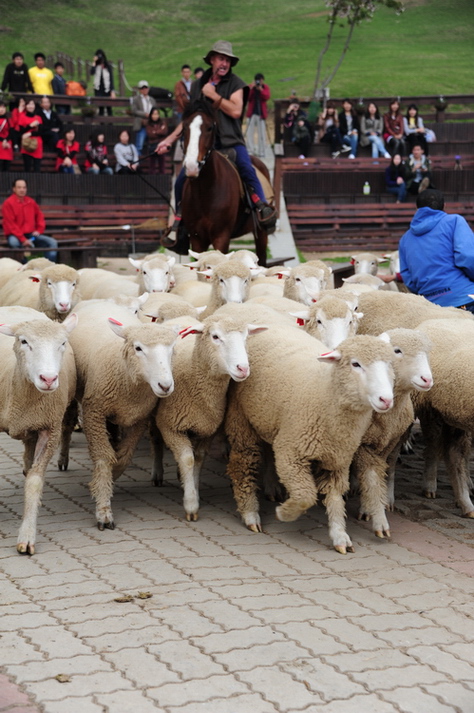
[101,70]
[393,129]
[40,76]
[29,123]
[156,130]
[60,88]
[17,111]
[329,130]
[419,171]
[297,128]
[16,77]
[349,126]
[67,149]
[126,154]
[6,143]
[51,126]
[371,130]
[414,129]
[395,178]
[96,154]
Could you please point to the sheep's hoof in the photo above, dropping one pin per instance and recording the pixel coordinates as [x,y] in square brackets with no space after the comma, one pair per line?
[192,516]
[25,548]
[430,494]
[469,514]
[106,525]
[382,534]
[341,549]
[157,481]
[364,516]
[63,464]
[390,507]
[255,528]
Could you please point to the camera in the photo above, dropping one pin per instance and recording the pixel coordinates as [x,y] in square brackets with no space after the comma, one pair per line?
[258,83]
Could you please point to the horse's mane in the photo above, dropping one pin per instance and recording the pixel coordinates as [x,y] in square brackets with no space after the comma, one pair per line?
[200,106]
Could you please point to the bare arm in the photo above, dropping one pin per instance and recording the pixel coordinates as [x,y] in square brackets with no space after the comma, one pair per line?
[232,107]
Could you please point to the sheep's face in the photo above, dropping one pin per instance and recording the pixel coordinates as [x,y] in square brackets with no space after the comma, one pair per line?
[304,288]
[411,362]
[60,294]
[39,348]
[332,329]
[157,275]
[232,289]
[227,345]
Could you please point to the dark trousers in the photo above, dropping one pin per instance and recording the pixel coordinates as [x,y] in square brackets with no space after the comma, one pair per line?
[4,165]
[32,165]
[333,137]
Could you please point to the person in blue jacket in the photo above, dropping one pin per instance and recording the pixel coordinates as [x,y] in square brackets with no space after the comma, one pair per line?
[437,254]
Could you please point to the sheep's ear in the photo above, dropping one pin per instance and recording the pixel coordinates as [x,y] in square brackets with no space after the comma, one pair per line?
[387,256]
[171,261]
[200,310]
[35,278]
[352,260]
[384,337]
[257,270]
[301,317]
[335,355]
[207,273]
[256,328]
[194,329]
[116,327]
[229,255]
[358,315]
[191,265]
[329,268]
[135,263]
[381,259]
[6,329]
[193,254]
[153,317]
[283,274]
[143,298]
[70,322]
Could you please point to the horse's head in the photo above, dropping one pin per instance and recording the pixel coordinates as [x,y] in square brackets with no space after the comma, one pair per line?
[199,128]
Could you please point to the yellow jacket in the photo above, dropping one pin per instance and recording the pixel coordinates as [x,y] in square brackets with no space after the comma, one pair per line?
[41,80]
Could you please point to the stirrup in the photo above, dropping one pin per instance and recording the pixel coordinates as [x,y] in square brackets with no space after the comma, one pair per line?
[170,235]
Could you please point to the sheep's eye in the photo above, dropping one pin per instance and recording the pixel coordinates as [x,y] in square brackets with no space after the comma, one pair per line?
[397,350]
[138,349]
[221,280]
[73,284]
[356,365]
[23,341]
[215,337]
[318,321]
[297,279]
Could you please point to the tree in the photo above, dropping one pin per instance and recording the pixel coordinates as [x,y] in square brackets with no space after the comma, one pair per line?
[353,12]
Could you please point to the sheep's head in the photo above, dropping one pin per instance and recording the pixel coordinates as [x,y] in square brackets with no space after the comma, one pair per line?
[39,348]
[155,273]
[58,290]
[230,282]
[305,282]
[411,363]
[331,320]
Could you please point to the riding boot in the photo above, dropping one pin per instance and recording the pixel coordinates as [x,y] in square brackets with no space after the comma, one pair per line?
[170,236]
[267,216]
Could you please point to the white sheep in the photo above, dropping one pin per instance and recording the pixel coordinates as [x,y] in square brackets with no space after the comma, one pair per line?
[304,282]
[380,445]
[331,319]
[203,366]
[312,414]
[53,291]
[8,268]
[230,282]
[366,263]
[446,413]
[204,261]
[362,283]
[38,382]
[123,367]
[387,310]
[162,306]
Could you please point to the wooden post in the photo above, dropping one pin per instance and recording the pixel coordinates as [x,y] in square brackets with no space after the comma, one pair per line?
[277,173]
[121,77]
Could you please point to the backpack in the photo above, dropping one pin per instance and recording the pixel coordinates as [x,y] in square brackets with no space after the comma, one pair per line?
[75,89]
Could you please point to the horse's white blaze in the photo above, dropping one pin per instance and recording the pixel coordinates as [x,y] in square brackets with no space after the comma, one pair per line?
[191,160]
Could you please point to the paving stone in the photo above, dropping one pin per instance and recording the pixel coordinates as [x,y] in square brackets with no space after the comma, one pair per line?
[280,688]
[311,637]
[444,662]
[185,659]
[80,685]
[15,650]
[367,703]
[175,694]
[126,702]
[133,638]
[236,704]
[271,654]
[43,670]
[455,620]
[186,621]
[429,635]
[51,639]
[82,704]
[460,697]
[322,679]
[413,700]
[221,613]
[141,667]
[390,678]
[123,621]
[237,638]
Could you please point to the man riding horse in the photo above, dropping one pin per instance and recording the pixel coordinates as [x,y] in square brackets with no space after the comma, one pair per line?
[225,90]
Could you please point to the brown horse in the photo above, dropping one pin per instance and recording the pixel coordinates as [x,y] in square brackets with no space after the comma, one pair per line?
[213,206]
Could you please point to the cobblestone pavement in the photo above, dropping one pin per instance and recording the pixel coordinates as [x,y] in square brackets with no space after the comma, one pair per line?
[237,622]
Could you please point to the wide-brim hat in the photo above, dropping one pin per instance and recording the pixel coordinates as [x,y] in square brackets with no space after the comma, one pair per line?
[222,47]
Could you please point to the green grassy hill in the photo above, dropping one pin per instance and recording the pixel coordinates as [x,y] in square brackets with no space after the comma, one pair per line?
[426,50]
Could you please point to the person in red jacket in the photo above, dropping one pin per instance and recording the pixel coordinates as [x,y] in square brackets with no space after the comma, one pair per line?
[6,143]
[29,123]
[257,112]
[24,223]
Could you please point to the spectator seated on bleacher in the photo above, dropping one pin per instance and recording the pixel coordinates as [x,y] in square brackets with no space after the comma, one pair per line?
[371,131]
[96,154]
[156,130]
[29,123]
[349,126]
[329,130]
[6,142]
[126,154]
[393,129]
[419,171]
[415,130]
[67,149]
[51,125]
[395,178]
[24,223]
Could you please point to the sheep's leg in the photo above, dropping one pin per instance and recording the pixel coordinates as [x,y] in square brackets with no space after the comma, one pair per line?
[126,448]
[243,466]
[373,497]
[431,427]
[69,422]
[296,476]
[46,444]
[201,449]
[183,452]
[157,449]
[392,460]
[336,511]
[103,458]
[29,452]
[457,449]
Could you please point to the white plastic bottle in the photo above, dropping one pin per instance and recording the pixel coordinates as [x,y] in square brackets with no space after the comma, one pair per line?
[366,189]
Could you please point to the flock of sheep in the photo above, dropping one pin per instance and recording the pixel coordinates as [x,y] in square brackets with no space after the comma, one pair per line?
[315,388]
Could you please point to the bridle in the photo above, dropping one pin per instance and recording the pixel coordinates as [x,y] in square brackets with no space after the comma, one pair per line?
[202,162]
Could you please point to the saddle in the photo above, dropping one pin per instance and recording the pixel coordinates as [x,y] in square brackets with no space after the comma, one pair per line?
[230,155]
